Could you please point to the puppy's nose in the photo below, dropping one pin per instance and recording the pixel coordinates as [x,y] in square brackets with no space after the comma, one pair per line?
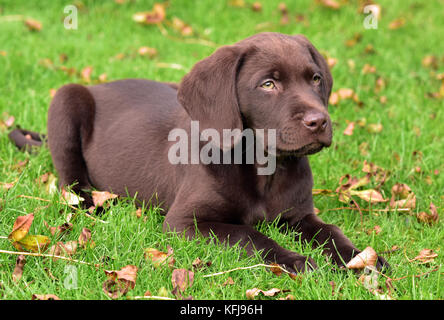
[315,121]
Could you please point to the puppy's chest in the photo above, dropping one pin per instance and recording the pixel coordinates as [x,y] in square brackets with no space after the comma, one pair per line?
[287,203]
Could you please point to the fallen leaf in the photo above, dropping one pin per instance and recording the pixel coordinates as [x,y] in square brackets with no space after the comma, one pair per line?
[331,4]
[33,25]
[18,269]
[426,256]
[367,257]
[369,195]
[44,297]
[285,18]
[397,23]
[334,98]
[33,243]
[119,282]
[406,198]
[276,269]
[181,27]
[181,280]
[256,6]
[430,61]
[86,74]
[85,238]
[345,93]
[374,127]
[157,15]
[100,197]
[71,198]
[159,258]
[331,62]
[253,293]
[63,249]
[147,52]
[61,230]
[236,3]
[349,130]
[21,227]
[198,264]
[227,282]
[429,218]
[357,37]
[368,69]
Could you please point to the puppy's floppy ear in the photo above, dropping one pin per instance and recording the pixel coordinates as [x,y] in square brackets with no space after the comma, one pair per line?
[208,91]
[320,61]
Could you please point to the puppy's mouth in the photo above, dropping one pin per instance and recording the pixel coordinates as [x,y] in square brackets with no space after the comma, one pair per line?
[306,150]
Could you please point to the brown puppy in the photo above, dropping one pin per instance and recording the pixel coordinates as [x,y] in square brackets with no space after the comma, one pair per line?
[114,136]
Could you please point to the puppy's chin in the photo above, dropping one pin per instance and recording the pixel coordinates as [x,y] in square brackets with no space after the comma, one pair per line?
[306,150]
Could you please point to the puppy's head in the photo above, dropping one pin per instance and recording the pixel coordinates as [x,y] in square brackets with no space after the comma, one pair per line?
[267,81]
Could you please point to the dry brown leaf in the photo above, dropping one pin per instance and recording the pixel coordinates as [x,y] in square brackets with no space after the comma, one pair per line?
[71,198]
[366,69]
[430,61]
[369,195]
[374,127]
[426,256]
[63,249]
[181,280]
[18,270]
[21,227]
[44,297]
[181,27]
[198,264]
[331,4]
[85,238]
[61,230]
[349,130]
[334,98]
[119,282]
[147,52]
[345,93]
[228,282]
[157,15]
[402,197]
[159,258]
[256,6]
[86,74]
[397,23]
[429,218]
[367,257]
[33,25]
[253,293]
[276,269]
[100,197]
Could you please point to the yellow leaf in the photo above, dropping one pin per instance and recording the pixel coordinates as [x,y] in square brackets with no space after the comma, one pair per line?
[33,243]
[21,227]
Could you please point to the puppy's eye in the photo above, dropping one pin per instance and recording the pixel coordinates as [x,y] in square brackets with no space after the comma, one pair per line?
[317,78]
[268,85]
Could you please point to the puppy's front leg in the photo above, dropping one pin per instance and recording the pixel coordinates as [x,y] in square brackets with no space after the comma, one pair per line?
[337,245]
[251,240]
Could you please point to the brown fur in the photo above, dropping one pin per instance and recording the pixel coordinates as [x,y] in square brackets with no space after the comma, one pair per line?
[113,136]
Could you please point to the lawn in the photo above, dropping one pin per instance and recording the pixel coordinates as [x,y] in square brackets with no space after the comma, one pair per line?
[393,112]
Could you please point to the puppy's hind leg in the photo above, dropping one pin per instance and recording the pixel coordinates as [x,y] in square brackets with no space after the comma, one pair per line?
[70,125]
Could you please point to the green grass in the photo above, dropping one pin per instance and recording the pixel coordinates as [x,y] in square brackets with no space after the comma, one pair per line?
[411,122]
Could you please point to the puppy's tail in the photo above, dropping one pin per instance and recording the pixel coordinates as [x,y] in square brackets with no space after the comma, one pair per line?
[26,140]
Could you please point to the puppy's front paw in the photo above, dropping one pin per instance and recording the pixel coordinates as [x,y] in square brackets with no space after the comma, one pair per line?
[296,263]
